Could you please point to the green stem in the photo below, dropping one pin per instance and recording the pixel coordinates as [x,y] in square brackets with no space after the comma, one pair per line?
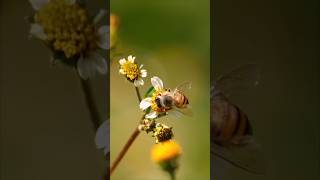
[172,175]
[138,94]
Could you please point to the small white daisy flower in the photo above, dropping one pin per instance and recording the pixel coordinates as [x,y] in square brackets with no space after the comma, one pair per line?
[132,71]
[151,101]
[79,42]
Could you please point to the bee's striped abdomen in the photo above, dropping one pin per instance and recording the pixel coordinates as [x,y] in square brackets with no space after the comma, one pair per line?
[230,124]
[181,100]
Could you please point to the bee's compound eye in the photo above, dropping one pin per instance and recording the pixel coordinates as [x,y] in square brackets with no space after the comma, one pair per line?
[168,101]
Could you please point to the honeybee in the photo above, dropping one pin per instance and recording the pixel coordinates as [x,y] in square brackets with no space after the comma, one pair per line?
[175,99]
[231,131]
[170,99]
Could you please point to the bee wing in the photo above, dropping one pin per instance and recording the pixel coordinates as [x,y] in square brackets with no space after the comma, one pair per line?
[239,79]
[183,87]
[182,111]
[247,157]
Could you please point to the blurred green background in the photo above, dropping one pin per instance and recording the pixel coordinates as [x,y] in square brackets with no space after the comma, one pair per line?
[172,40]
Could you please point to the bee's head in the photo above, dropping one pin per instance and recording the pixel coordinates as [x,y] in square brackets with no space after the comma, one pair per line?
[167,101]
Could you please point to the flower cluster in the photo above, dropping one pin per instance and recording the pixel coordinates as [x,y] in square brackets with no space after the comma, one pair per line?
[158,100]
[161,132]
[73,36]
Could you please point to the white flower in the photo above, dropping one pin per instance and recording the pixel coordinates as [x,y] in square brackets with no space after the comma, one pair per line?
[102,137]
[150,101]
[89,65]
[90,61]
[131,71]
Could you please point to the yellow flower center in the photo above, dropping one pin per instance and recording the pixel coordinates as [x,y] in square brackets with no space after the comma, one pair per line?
[131,70]
[68,27]
[165,151]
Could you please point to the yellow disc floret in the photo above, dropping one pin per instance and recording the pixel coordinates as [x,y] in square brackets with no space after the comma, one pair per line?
[165,151]
[68,27]
[131,70]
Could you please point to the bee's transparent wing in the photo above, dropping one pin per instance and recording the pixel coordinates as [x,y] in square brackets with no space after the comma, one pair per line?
[182,111]
[247,157]
[183,87]
[239,79]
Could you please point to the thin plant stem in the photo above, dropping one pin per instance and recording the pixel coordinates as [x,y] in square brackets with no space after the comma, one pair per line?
[124,150]
[89,99]
[131,139]
[138,94]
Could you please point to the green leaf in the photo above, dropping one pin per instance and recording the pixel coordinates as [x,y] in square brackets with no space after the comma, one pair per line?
[148,110]
[150,91]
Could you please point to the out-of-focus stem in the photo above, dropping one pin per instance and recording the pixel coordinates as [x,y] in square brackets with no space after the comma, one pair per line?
[124,150]
[93,111]
[172,175]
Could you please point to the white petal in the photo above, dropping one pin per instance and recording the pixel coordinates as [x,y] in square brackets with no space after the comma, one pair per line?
[141,66]
[103,40]
[121,71]
[156,83]
[145,103]
[99,16]
[122,61]
[102,136]
[151,115]
[100,63]
[138,82]
[36,30]
[86,68]
[143,73]
[131,58]
[38,4]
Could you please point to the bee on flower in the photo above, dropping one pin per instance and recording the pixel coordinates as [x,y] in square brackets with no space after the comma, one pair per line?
[73,36]
[133,73]
[162,100]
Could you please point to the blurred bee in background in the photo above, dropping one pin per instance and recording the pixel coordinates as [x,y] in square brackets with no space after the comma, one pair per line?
[231,131]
